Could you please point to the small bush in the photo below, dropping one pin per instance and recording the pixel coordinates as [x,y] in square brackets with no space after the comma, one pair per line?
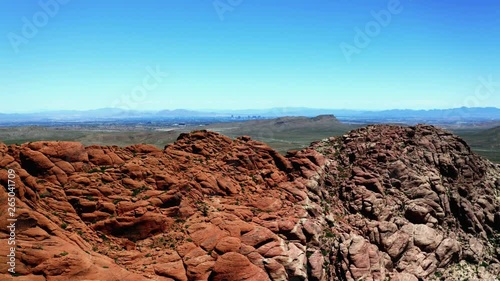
[45,194]
[136,192]
[329,234]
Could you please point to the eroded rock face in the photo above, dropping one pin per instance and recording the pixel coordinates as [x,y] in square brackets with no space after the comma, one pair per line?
[415,196]
[381,202]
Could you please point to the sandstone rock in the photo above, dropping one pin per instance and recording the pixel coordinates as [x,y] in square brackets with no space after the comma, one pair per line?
[35,162]
[199,264]
[423,236]
[228,244]
[448,251]
[234,266]
[382,202]
[258,237]
[171,267]
[316,262]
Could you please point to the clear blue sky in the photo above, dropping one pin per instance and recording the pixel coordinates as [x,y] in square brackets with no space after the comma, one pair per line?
[258,54]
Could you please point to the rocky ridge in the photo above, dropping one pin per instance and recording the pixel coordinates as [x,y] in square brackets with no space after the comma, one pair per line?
[380,203]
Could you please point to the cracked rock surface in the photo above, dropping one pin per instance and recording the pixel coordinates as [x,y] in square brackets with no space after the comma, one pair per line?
[380,203]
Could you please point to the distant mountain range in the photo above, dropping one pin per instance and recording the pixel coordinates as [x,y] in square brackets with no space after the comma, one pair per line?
[455,115]
[488,113]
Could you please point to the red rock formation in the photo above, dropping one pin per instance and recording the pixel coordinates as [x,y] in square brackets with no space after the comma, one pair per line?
[381,202]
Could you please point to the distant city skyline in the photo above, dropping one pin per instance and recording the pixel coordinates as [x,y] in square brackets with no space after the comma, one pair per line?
[81,55]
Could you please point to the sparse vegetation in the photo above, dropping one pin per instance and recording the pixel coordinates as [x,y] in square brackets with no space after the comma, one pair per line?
[137,191]
[103,237]
[329,234]
[325,253]
[46,194]
[202,207]
[483,142]
[93,170]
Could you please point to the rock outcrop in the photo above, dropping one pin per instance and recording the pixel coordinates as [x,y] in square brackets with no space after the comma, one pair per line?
[381,203]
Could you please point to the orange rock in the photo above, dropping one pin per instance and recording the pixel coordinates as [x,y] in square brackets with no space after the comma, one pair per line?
[228,244]
[234,266]
[258,236]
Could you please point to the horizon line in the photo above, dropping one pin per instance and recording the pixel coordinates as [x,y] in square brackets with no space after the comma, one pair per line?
[220,111]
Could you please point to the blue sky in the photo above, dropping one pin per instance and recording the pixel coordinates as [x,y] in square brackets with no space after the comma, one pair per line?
[230,54]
